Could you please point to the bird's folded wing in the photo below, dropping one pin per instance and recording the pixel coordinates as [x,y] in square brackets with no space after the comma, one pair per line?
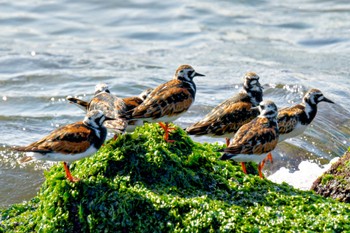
[167,101]
[254,138]
[69,139]
[225,118]
[288,118]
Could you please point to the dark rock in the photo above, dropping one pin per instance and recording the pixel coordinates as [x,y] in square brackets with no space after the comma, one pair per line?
[335,182]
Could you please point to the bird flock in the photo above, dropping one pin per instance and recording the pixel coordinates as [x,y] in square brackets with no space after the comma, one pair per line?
[251,126]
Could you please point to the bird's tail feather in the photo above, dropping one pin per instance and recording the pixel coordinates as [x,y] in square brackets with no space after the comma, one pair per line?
[197,130]
[31,153]
[226,156]
[25,159]
[78,102]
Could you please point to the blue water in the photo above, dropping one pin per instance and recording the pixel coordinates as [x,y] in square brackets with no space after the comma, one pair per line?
[52,49]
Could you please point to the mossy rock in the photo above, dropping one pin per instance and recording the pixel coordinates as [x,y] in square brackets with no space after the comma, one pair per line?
[335,182]
[140,183]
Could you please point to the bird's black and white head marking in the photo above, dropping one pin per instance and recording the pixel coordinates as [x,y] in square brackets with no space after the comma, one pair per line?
[268,109]
[94,119]
[186,73]
[314,96]
[101,87]
[251,82]
[253,88]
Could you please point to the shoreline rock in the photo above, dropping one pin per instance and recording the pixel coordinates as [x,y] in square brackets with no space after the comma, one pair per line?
[335,182]
[140,183]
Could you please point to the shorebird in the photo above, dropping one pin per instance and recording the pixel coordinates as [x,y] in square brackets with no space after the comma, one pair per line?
[111,105]
[226,118]
[129,102]
[292,121]
[69,143]
[168,101]
[254,140]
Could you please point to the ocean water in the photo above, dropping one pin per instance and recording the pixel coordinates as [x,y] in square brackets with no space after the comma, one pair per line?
[52,49]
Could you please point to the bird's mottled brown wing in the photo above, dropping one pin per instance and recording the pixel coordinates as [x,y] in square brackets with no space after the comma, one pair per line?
[288,118]
[132,102]
[110,105]
[70,139]
[255,137]
[119,105]
[226,118]
[118,126]
[166,100]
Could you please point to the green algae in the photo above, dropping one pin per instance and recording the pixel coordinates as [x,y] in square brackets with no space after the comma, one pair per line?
[140,183]
[326,178]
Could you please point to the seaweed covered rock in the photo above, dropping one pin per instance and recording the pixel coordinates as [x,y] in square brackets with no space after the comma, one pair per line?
[140,183]
[335,182]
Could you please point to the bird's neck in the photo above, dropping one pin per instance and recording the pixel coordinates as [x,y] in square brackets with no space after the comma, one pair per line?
[255,96]
[310,110]
[190,86]
[100,133]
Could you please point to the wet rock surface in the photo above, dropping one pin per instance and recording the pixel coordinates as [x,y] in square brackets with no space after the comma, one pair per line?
[335,182]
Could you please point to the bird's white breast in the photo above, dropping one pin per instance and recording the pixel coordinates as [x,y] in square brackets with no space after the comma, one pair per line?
[62,157]
[299,129]
[249,158]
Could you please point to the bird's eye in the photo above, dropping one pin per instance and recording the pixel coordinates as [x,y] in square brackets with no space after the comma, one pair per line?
[262,107]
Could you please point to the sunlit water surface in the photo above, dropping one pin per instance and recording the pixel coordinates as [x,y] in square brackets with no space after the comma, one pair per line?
[52,49]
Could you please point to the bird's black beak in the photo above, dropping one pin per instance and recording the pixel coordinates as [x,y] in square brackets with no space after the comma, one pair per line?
[109,118]
[259,85]
[327,100]
[197,74]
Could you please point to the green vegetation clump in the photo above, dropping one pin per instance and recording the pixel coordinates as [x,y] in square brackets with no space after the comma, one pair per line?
[140,183]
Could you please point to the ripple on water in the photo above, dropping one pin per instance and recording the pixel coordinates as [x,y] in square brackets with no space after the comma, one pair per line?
[321,42]
[294,25]
[18,182]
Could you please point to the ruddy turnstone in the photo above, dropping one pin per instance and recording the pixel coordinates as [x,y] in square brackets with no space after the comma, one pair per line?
[70,142]
[130,103]
[226,118]
[254,140]
[292,121]
[168,101]
[109,104]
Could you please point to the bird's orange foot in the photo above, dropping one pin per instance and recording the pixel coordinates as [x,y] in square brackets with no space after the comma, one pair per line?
[227,141]
[260,167]
[268,158]
[244,167]
[68,174]
[115,137]
[166,129]
[73,179]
